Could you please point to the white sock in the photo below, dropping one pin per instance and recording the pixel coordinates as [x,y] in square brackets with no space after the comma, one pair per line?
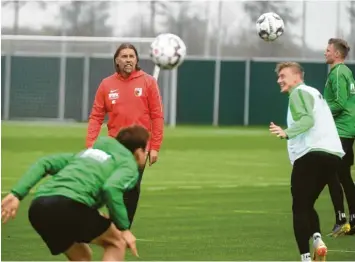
[316,236]
[306,257]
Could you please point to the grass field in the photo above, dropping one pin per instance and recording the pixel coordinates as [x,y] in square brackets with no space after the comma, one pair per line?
[215,194]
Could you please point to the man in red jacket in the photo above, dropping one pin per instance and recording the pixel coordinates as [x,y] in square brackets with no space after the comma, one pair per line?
[129,97]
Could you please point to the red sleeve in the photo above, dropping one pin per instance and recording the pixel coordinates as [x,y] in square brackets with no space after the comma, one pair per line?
[96,117]
[156,115]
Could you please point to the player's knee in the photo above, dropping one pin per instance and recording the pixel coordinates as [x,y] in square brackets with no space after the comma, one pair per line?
[87,256]
[79,252]
[116,243]
[112,238]
[301,206]
[117,239]
[119,244]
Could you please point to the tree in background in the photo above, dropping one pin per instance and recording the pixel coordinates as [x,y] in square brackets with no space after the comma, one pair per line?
[255,8]
[181,18]
[285,45]
[17,6]
[76,18]
[184,19]
[86,18]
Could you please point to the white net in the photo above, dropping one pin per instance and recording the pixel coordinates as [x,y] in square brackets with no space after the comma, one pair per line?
[57,77]
[70,45]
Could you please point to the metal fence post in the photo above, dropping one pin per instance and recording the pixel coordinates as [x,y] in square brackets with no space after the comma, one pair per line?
[85,99]
[7,88]
[247,92]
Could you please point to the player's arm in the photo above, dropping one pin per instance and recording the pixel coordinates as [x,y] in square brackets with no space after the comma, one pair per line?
[123,179]
[340,93]
[49,165]
[301,106]
[96,117]
[156,114]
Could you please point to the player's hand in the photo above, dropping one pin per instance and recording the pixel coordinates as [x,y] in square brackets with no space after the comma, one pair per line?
[9,206]
[278,131]
[131,241]
[153,157]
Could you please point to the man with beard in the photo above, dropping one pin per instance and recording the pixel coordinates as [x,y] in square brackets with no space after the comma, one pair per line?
[130,96]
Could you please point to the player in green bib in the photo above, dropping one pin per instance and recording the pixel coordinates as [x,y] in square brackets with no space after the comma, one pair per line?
[339,93]
[64,211]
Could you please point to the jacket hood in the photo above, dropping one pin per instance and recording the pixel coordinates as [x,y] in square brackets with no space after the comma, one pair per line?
[134,74]
[112,147]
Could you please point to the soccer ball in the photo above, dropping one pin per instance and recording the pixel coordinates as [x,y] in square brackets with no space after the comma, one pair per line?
[270,26]
[167,51]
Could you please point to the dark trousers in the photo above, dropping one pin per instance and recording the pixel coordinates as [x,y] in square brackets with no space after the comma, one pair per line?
[344,181]
[310,174]
[131,197]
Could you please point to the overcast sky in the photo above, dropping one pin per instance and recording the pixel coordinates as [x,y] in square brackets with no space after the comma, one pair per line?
[321,18]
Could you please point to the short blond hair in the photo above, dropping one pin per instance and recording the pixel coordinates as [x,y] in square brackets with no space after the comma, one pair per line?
[296,67]
[340,45]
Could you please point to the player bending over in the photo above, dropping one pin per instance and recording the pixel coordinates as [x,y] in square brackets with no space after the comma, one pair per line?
[64,211]
[315,151]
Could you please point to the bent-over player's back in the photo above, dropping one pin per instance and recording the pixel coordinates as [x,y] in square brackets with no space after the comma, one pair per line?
[84,177]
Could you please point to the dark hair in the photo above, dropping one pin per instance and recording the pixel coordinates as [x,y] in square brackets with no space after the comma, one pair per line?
[119,49]
[133,137]
[340,45]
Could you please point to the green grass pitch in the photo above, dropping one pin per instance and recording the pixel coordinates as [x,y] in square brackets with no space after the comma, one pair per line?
[215,194]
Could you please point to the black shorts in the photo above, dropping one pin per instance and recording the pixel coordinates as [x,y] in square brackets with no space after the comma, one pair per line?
[310,174]
[348,147]
[61,222]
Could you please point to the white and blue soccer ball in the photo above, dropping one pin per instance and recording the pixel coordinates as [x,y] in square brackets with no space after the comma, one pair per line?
[167,51]
[270,26]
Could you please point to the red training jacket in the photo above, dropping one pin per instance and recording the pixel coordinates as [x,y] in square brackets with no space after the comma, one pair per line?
[135,100]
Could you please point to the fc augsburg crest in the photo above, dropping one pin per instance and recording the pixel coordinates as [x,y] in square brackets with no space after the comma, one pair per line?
[138,91]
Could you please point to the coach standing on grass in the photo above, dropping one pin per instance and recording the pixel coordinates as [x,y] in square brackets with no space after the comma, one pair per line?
[315,151]
[129,96]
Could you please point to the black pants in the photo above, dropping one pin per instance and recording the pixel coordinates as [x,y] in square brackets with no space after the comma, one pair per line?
[344,181]
[61,222]
[310,175]
[131,197]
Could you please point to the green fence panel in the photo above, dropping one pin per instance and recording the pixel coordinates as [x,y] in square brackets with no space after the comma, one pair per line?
[100,68]
[232,90]
[147,66]
[195,89]
[352,68]
[74,88]
[315,75]
[266,102]
[34,87]
[3,70]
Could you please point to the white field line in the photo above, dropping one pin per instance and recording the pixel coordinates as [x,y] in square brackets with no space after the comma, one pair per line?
[260,212]
[341,251]
[191,187]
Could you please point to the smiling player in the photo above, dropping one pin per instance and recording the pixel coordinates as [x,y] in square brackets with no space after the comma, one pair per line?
[314,150]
